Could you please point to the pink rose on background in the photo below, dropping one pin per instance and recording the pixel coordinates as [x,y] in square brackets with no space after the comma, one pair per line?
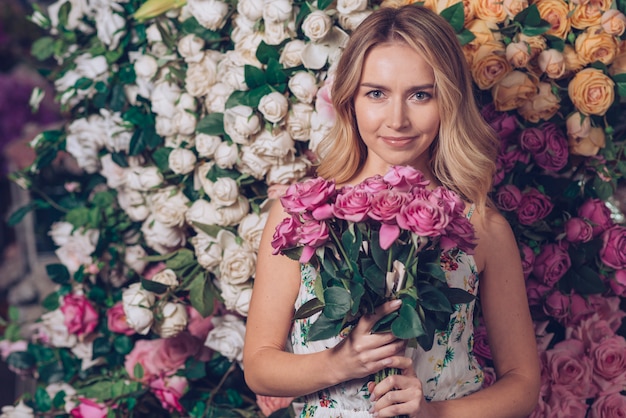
[508,197]
[199,326]
[568,366]
[7,347]
[557,305]
[404,178]
[610,405]
[562,403]
[553,157]
[591,331]
[271,404]
[285,235]
[533,207]
[613,252]
[528,259]
[275,191]
[503,123]
[551,264]
[80,315]
[307,195]
[607,308]
[579,309]
[609,363]
[536,292]
[174,351]
[618,284]
[578,230]
[352,204]
[481,344]
[116,320]
[489,376]
[151,271]
[143,353]
[532,140]
[324,103]
[460,234]
[596,211]
[89,408]
[169,391]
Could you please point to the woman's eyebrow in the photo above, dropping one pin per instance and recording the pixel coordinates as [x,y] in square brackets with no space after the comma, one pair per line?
[381,87]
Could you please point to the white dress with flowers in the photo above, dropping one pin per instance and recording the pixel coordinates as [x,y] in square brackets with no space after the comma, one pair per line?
[449,370]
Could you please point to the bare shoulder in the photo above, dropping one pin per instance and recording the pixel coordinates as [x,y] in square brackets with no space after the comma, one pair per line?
[495,237]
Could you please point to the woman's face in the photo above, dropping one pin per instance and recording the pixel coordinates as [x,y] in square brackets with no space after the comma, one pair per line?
[396,108]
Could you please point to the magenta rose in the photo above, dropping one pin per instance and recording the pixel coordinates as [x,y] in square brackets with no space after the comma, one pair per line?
[503,123]
[374,184]
[308,195]
[578,230]
[528,259]
[80,315]
[286,234]
[352,204]
[553,157]
[459,234]
[271,404]
[551,264]
[532,140]
[579,309]
[499,174]
[533,207]
[556,305]
[613,252]
[423,217]
[609,405]
[386,205]
[508,197]
[169,390]
[568,366]
[536,292]
[404,178]
[89,408]
[609,363]
[116,320]
[607,308]
[596,211]
[618,284]
[312,234]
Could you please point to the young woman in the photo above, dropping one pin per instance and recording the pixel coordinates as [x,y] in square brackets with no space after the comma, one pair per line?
[403,96]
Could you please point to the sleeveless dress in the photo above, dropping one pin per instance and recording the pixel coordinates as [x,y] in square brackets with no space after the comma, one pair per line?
[448,370]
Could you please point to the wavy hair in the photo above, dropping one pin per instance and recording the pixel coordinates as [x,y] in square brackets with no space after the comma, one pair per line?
[463,156]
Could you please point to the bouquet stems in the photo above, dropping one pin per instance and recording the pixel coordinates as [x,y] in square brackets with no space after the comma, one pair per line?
[383,374]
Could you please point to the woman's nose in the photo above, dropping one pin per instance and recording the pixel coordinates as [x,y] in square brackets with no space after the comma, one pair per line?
[397,116]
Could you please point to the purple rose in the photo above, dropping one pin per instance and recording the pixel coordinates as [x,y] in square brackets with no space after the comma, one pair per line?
[551,264]
[308,195]
[528,259]
[532,140]
[285,235]
[578,230]
[596,211]
[618,284]
[613,252]
[386,205]
[423,217]
[312,234]
[557,305]
[508,197]
[403,178]
[553,157]
[536,292]
[352,204]
[533,207]
[608,405]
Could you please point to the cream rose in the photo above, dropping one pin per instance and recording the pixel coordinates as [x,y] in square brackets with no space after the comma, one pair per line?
[352,20]
[144,178]
[207,250]
[277,11]
[303,85]
[317,25]
[518,54]
[299,121]
[287,172]
[573,62]
[218,94]
[200,76]
[489,65]
[484,31]
[146,66]
[555,12]
[275,33]
[223,192]
[240,122]
[552,63]
[578,126]
[349,6]
[53,331]
[251,9]
[590,145]
[207,144]
[137,303]
[591,91]
[291,55]
[237,265]
[542,106]
[174,319]
[231,71]
[191,47]
[169,205]
[233,214]
[252,163]
[134,204]
[613,22]
[250,229]
[536,43]
[273,107]
[237,297]
[182,161]
[209,13]
[163,98]
[203,212]
[514,90]
[161,238]
[227,337]
[226,155]
[113,173]
[619,63]
[513,7]
[594,44]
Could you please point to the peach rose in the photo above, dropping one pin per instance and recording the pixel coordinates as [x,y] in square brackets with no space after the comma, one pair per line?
[591,91]
[469,8]
[484,31]
[514,90]
[555,12]
[578,126]
[552,63]
[537,44]
[613,22]
[588,13]
[573,62]
[618,66]
[518,54]
[513,7]
[489,65]
[542,106]
[490,10]
[590,145]
[594,44]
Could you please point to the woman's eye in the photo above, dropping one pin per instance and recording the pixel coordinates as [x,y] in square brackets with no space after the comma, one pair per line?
[375,94]
[421,96]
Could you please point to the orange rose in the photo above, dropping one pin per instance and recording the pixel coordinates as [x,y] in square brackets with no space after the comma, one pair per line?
[588,13]
[556,13]
[613,22]
[578,126]
[594,44]
[573,63]
[469,7]
[541,107]
[619,63]
[490,10]
[483,31]
[588,146]
[518,54]
[552,63]
[489,65]
[513,7]
[514,90]
[591,91]
[537,44]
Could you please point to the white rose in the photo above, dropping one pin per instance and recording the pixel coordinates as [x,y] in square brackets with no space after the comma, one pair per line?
[231,71]
[277,11]
[84,351]
[52,330]
[252,163]
[77,249]
[224,191]
[133,203]
[242,27]
[79,9]
[163,98]
[240,122]
[18,411]
[144,178]
[201,76]
[352,21]
[291,56]
[187,102]
[251,9]
[274,147]
[251,227]
[207,144]
[85,138]
[246,49]
[109,25]
[186,121]
[317,25]
[137,303]
[190,47]
[116,137]
[200,177]
[169,206]
[207,250]
[161,238]
[209,13]
[287,173]
[237,298]
[276,33]
[299,121]
[273,106]
[54,388]
[165,126]
[303,85]
[233,214]
[226,155]
[146,66]
[94,68]
[135,258]
[153,34]
[319,131]
[61,232]
[227,337]
[349,6]
[218,94]
[174,320]
[203,212]
[166,277]
[182,161]
[141,88]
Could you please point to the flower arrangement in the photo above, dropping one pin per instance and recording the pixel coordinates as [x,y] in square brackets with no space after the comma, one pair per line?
[185,121]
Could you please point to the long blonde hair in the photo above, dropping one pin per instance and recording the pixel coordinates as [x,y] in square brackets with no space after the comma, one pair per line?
[463,156]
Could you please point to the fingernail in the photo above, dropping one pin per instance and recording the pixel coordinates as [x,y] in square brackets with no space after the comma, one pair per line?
[395,303]
[372,399]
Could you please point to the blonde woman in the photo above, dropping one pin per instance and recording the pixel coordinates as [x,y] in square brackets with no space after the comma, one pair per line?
[403,96]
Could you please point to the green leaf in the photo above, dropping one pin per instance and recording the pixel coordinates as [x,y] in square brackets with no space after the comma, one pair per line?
[457,296]
[254,76]
[432,269]
[138,370]
[22,360]
[309,309]
[455,15]
[350,244]
[101,347]
[603,189]
[275,74]
[202,294]
[379,255]
[161,158]
[253,96]
[58,273]
[324,328]
[434,300]
[182,259]
[407,325]
[42,400]
[123,344]
[194,369]
[212,124]
[465,36]
[51,302]
[357,290]
[109,389]
[583,280]
[154,287]
[211,230]
[103,199]
[17,216]
[323,4]
[265,52]
[375,278]
[337,302]
[43,48]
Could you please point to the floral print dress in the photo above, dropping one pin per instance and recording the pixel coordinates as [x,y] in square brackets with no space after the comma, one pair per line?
[448,370]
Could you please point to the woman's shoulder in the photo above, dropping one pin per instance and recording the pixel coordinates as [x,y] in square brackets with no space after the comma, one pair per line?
[492,232]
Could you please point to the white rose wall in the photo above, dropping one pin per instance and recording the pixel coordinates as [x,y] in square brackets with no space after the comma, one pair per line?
[185,118]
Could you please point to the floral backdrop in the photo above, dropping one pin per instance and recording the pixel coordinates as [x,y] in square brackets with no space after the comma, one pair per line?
[184,117]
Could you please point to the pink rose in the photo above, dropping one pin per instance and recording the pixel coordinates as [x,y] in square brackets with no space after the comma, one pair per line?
[591,331]
[169,391]
[374,184]
[174,351]
[452,201]
[286,234]
[532,140]
[312,234]
[7,347]
[404,178]
[116,320]
[80,316]
[271,404]
[613,252]
[199,326]
[352,204]
[308,195]
[386,204]
[528,259]
[503,123]
[553,157]
[489,376]
[275,191]
[556,305]
[323,102]
[568,366]
[607,308]
[596,211]
[88,408]
[508,197]
[424,217]
[459,234]
[618,284]
[536,292]
[579,309]
[609,405]
[609,363]
[533,207]
[151,271]
[551,264]
[143,353]
[578,230]
[563,403]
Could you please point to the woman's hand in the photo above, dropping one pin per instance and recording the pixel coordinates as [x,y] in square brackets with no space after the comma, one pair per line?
[399,394]
[362,352]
